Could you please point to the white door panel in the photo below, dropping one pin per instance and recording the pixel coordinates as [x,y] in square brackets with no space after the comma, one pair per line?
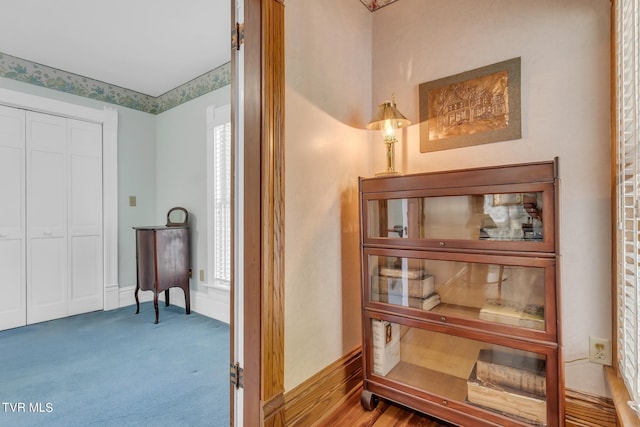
[11,189]
[12,301]
[12,219]
[85,204]
[46,279]
[85,217]
[46,132]
[86,293]
[47,261]
[46,194]
[85,139]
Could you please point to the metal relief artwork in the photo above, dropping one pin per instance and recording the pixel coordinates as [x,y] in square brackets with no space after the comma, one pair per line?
[475,107]
[468,107]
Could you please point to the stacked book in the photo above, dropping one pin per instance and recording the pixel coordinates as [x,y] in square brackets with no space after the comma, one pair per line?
[386,346]
[513,384]
[511,313]
[409,287]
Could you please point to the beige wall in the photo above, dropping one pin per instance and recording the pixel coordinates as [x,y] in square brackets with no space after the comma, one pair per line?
[328,93]
[564,48]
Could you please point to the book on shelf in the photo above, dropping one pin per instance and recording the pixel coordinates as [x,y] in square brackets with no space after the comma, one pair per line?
[511,313]
[415,288]
[515,370]
[532,316]
[406,272]
[386,346]
[508,401]
[426,303]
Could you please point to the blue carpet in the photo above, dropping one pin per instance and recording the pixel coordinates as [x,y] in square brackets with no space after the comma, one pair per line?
[115,368]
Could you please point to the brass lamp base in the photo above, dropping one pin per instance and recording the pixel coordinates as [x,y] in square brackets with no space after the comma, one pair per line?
[389,143]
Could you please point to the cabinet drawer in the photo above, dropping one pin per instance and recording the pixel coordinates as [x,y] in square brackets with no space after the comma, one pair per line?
[491,219]
[484,379]
[503,294]
[509,208]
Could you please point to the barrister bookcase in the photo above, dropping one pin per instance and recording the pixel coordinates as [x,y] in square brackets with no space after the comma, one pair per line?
[460,294]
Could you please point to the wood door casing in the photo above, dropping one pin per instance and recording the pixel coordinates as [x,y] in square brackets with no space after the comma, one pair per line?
[264,213]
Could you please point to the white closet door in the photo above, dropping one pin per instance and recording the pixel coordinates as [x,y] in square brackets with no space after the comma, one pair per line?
[86,290]
[12,221]
[47,266]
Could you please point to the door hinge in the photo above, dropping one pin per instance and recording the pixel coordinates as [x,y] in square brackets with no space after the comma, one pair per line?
[237,36]
[236,374]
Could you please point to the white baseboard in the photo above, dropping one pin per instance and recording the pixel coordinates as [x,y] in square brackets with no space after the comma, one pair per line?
[214,303]
[111,297]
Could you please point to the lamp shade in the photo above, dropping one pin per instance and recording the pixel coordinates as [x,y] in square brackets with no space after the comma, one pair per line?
[388,116]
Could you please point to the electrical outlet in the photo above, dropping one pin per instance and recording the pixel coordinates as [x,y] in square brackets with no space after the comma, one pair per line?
[600,351]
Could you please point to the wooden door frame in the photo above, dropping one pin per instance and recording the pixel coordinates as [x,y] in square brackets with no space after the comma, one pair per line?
[263,195]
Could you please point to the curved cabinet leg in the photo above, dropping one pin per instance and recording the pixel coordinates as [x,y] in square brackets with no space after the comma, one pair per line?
[187,299]
[155,305]
[137,300]
[368,400]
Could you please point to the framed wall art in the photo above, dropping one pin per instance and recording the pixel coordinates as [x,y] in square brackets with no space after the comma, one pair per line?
[475,107]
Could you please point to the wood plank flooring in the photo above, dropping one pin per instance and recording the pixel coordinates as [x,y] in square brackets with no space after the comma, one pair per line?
[352,414]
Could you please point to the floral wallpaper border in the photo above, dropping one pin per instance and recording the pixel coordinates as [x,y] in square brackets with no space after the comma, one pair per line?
[25,71]
[376,4]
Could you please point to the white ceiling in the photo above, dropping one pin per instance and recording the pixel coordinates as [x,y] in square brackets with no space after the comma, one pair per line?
[150,46]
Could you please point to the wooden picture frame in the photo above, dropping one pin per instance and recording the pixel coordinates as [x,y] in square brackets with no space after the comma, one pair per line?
[475,107]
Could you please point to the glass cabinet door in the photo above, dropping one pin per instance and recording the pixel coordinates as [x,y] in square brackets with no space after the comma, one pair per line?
[503,381]
[505,291]
[487,217]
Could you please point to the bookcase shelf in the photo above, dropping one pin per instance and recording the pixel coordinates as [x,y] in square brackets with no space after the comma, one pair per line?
[445,385]
[460,294]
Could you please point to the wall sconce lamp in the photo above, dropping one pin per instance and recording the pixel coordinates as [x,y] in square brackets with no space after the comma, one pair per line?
[388,119]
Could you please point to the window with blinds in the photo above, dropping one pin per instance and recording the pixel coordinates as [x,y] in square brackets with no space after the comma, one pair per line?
[222,203]
[628,192]
[219,196]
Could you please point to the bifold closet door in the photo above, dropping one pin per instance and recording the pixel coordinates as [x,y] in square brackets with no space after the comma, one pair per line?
[12,219]
[86,290]
[64,217]
[51,259]
[47,259]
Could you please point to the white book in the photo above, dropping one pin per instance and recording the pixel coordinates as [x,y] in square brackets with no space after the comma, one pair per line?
[386,346]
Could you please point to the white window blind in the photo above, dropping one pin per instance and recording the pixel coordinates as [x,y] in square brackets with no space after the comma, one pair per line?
[219,196]
[628,192]
[222,202]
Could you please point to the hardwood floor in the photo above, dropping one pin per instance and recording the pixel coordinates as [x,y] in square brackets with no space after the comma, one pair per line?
[352,414]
